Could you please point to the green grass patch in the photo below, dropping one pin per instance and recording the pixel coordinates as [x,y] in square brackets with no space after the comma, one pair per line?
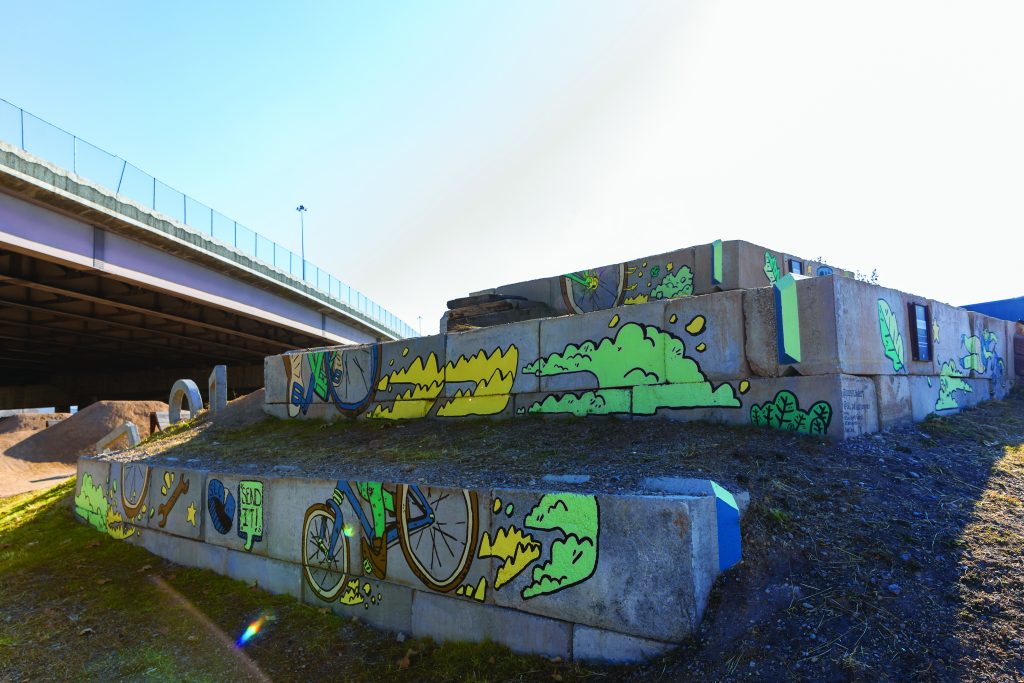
[78,605]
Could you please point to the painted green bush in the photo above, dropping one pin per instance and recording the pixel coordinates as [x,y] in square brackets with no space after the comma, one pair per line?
[892,340]
[675,284]
[784,413]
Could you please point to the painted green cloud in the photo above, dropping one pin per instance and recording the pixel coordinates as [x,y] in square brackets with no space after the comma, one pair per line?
[640,356]
[574,556]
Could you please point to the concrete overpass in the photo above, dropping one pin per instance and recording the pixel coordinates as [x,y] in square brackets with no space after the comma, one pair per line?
[104,298]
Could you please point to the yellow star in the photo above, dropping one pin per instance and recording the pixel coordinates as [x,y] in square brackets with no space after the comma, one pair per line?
[191,519]
[935,331]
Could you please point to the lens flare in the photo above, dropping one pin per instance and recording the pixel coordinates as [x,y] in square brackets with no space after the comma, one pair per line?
[348,531]
[253,629]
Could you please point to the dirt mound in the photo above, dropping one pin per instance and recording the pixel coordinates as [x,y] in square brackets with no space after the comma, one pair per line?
[78,434]
[242,411]
[28,421]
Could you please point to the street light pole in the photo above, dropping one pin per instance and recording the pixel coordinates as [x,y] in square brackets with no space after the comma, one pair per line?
[302,238]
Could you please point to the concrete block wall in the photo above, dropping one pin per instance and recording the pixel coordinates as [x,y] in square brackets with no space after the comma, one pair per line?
[554,573]
[848,368]
[703,269]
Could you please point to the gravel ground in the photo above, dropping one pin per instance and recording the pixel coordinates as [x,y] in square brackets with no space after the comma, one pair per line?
[895,556]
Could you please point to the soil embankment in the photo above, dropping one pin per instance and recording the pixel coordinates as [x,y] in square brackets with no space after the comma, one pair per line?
[34,456]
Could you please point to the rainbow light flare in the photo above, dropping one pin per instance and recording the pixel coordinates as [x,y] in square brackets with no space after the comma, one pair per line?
[253,629]
[348,531]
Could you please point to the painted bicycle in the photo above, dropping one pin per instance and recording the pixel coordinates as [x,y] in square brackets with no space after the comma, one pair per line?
[435,528]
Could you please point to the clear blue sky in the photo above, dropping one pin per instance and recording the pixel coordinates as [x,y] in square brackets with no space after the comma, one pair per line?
[445,147]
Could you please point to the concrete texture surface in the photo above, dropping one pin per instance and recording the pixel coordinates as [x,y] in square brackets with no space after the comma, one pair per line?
[442,619]
[600,645]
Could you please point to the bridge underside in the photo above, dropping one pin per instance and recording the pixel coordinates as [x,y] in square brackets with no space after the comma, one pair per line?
[72,336]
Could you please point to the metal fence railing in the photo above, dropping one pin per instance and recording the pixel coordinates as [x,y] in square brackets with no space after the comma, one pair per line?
[36,136]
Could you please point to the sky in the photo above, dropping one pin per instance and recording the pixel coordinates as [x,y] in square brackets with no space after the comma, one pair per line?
[446,147]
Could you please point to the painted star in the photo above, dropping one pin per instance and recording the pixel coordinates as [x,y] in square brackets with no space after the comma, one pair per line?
[935,331]
[191,519]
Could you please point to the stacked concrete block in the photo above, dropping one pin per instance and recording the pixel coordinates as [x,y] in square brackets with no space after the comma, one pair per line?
[773,348]
[551,573]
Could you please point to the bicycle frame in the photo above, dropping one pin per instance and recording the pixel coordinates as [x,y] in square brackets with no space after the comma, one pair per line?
[345,490]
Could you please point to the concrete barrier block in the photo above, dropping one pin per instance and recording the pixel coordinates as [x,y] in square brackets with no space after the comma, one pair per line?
[438,547]
[176,501]
[985,351]
[601,350]
[487,364]
[91,492]
[591,289]
[544,290]
[410,369]
[874,334]
[128,496]
[275,379]
[217,385]
[727,544]
[946,395]
[711,328]
[660,277]
[123,437]
[291,503]
[443,619]
[235,514]
[817,332]
[380,604]
[839,406]
[594,559]
[273,576]
[331,381]
[894,400]
[185,551]
[608,647]
[950,326]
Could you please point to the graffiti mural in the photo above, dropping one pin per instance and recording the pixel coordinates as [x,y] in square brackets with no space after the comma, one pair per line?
[173,493]
[91,503]
[771,268]
[516,549]
[347,378]
[784,413]
[892,340]
[593,290]
[482,383]
[951,381]
[221,505]
[436,529]
[250,512]
[574,556]
[643,357]
[983,356]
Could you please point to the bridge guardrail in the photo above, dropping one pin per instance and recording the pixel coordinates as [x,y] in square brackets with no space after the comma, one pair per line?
[57,146]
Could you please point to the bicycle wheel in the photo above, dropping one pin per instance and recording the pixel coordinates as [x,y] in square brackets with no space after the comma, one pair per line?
[134,483]
[325,572]
[440,551]
[594,290]
[354,377]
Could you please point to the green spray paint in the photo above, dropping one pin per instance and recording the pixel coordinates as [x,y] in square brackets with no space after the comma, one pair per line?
[950,380]
[892,340]
[771,268]
[91,504]
[784,413]
[679,283]
[640,356]
[787,320]
[574,556]
[716,263]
